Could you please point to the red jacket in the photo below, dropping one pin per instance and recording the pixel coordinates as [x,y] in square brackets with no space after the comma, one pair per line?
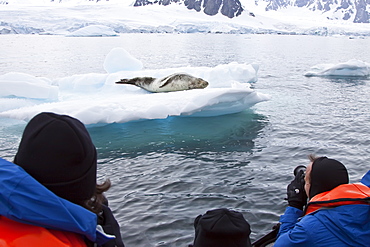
[344,194]
[16,234]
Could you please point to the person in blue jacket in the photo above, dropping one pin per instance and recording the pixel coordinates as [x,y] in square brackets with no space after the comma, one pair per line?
[55,178]
[337,213]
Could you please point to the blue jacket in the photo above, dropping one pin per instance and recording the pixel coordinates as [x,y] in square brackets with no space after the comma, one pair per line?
[347,225]
[25,200]
[366,179]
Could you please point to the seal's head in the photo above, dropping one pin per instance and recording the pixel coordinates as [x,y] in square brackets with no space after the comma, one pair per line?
[220,228]
[198,83]
[58,152]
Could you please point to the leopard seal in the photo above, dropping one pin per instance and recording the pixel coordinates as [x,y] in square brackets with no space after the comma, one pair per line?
[171,83]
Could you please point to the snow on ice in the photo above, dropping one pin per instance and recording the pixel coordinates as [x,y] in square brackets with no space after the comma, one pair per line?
[95,98]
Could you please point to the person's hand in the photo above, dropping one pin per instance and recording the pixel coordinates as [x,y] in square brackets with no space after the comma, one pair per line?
[296,194]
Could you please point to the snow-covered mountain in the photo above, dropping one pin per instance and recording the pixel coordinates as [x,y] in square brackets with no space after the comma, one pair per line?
[353,10]
[356,11]
[64,17]
[229,8]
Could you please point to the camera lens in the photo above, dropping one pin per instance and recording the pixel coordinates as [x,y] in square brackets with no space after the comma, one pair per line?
[298,169]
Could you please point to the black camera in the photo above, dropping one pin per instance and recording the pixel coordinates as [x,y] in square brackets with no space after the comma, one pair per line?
[298,170]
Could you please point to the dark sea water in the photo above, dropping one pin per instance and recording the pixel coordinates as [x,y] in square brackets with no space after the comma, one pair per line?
[166,172]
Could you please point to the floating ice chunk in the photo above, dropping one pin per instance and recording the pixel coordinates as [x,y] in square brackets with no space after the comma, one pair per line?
[123,108]
[27,86]
[93,31]
[95,98]
[118,59]
[351,68]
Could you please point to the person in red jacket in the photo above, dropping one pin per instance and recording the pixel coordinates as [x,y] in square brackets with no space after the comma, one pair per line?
[57,151]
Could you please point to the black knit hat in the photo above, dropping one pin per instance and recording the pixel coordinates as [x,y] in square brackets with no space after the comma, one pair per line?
[58,152]
[326,174]
[221,228]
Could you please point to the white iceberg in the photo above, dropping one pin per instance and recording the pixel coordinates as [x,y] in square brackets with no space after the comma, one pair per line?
[124,108]
[93,31]
[351,68]
[95,98]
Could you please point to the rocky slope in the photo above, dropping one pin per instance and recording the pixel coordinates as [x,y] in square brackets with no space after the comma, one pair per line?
[356,11]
